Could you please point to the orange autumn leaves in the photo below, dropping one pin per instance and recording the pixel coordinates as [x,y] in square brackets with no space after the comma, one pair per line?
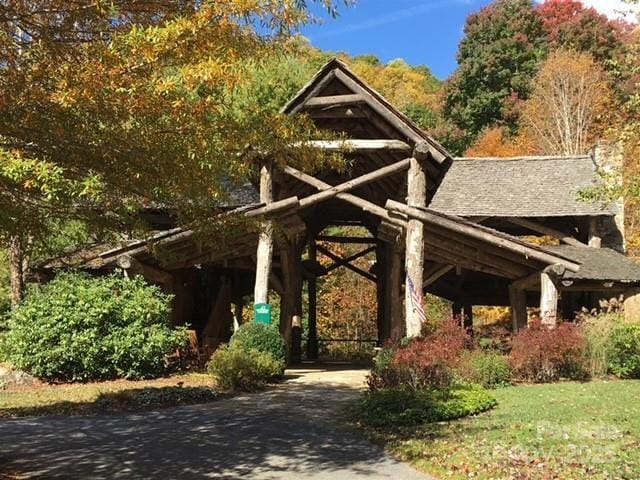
[567,112]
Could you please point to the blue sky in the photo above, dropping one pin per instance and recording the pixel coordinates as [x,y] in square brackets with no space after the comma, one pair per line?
[420,31]
[423,32]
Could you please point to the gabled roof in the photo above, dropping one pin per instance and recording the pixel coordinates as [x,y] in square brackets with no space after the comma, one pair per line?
[519,187]
[335,71]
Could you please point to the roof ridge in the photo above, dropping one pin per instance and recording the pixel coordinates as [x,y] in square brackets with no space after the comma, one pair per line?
[525,158]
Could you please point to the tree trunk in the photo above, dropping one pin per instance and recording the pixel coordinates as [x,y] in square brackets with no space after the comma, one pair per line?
[265,241]
[16,267]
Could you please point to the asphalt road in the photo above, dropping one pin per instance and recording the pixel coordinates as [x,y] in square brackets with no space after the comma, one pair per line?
[285,433]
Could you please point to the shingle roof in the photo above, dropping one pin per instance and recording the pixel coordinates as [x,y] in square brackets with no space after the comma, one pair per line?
[518,187]
[599,264]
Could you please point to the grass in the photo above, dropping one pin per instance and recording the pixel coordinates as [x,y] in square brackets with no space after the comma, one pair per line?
[560,431]
[101,397]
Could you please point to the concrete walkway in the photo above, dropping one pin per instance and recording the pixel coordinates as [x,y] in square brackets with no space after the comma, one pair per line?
[284,433]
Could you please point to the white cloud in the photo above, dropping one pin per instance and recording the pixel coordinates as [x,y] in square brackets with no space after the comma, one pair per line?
[392,16]
[614,8]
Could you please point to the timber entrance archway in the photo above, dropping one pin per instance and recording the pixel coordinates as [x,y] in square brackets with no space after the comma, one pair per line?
[436,224]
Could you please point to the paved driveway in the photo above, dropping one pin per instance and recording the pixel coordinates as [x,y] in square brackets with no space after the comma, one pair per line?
[284,433]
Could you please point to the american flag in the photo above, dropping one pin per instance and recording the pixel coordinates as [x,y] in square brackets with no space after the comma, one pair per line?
[416,300]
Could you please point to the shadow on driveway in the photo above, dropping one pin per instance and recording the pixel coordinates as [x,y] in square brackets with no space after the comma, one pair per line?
[284,433]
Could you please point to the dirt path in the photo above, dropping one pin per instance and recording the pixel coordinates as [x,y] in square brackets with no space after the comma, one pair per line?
[284,433]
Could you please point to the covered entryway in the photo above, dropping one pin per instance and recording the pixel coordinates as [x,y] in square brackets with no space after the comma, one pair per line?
[402,189]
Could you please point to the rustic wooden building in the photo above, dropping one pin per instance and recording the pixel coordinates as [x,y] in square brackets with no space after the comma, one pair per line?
[448,226]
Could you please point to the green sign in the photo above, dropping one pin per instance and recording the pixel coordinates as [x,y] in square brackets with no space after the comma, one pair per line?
[262,313]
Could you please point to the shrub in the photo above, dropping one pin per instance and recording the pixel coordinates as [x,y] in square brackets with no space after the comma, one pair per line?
[407,407]
[541,354]
[261,337]
[423,362]
[597,329]
[624,351]
[486,368]
[80,328]
[237,368]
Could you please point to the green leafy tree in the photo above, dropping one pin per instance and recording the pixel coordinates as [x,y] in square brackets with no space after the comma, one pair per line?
[498,56]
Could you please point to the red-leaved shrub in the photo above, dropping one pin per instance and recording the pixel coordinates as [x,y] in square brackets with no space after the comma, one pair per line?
[422,363]
[542,354]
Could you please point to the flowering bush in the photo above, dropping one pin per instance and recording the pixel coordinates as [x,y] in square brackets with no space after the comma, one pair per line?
[541,354]
[421,363]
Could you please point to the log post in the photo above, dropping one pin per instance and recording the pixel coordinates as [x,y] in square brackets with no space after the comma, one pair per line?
[518,303]
[265,239]
[291,305]
[456,311]
[467,316]
[414,256]
[393,293]
[548,300]
[382,320]
[312,341]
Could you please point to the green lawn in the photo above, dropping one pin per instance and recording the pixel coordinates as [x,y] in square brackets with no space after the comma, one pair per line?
[560,431]
[100,397]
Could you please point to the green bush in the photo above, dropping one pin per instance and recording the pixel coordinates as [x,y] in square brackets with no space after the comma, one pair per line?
[237,368]
[261,337]
[395,407]
[624,351]
[487,368]
[80,328]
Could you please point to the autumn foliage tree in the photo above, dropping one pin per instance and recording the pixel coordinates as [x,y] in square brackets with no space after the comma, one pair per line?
[500,52]
[107,107]
[568,24]
[570,99]
[123,104]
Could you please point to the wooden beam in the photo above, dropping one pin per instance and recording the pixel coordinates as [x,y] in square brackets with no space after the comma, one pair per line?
[346,240]
[338,113]
[351,267]
[480,234]
[344,261]
[360,146]
[290,203]
[265,239]
[414,249]
[312,341]
[365,205]
[434,275]
[334,100]
[129,263]
[445,255]
[388,115]
[528,282]
[544,230]
[476,255]
[331,192]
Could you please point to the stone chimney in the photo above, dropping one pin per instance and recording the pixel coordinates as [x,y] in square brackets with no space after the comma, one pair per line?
[609,160]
